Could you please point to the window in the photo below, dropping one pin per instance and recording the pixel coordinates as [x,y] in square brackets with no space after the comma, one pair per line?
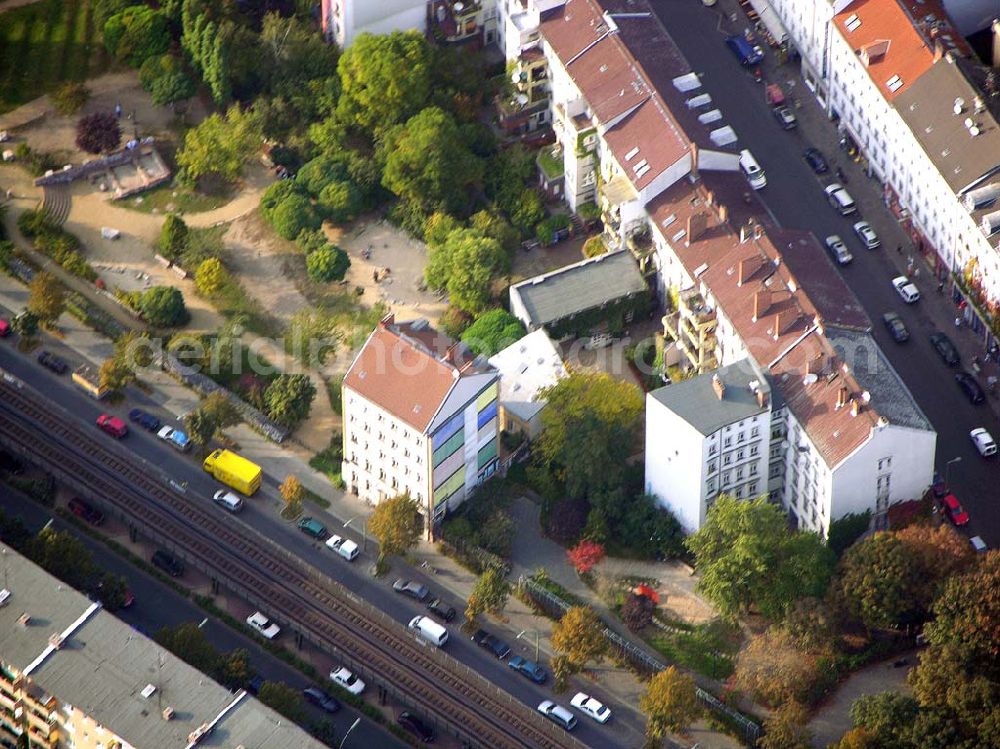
[753,450]
[755,432]
[739,454]
[712,467]
[713,449]
[741,437]
[752,488]
[739,474]
[884,464]
[727,459]
[728,442]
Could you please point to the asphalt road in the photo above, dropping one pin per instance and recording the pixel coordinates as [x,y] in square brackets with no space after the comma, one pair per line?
[158,605]
[794,197]
[260,513]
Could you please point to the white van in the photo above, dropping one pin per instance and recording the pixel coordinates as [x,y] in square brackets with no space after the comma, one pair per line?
[840,199]
[752,171]
[429,630]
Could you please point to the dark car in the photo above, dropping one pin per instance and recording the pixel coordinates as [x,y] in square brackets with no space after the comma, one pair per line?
[785,117]
[896,327]
[416,726]
[970,387]
[255,683]
[146,420]
[86,511]
[938,486]
[168,563]
[441,610]
[815,159]
[527,668]
[314,528]
[50,361]
[945,348]
[411,588]
[486,641]
[321,699]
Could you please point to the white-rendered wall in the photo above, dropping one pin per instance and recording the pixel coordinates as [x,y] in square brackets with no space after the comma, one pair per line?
[382,17]
[675,464]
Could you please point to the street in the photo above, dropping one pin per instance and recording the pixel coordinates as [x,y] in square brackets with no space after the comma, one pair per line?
[795,198]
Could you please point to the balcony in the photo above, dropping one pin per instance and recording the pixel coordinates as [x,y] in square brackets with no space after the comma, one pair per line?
[454,21]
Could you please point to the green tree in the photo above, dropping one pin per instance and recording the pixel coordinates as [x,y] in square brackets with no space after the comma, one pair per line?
[189,643]
[747,556]
[137,33]
[395,523]
[427,163]
[785,728]
[293,54]
[341,201]
[465,264]
[493,225]
[579,635]
[326,264]
[62,555]
[527,210]
[326,169]
[70,97]
[282,699]
[104,9]
[887,715]
[384,79]
[880,580]
[166,80]
[234,669]
[845,530]
[670,704]
[288,398]
[46,298]
[163,306]
[210,277]
[219,147]
[215,412]
[294,215]
[173,237]
[492,332]
[489,594]
[115,375]
[112,590]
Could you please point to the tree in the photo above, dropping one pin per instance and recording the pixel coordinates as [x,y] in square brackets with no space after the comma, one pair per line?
[579,635]
[637,612]
[811,623]
[292,493]
[785,728]
[112,590]
[98,132]
[384,79]
[282,699]
[166,80]
[465,264]
[46,298]
[25,324]
[215,412]
[670,704]
[747,556]
[234,669]
[326,264]
[62,555]
[888,716]
[942,552]
[341,201]
[293,53]
[219,147]
[115,375]
[137,33]
[70,97]
[294,215]
[585,556]
[288,398]
[489,594]
[773,669]
[880,580]
[491,224]
[527,211]
[163,306]
[104,9]
[325,169]
[492,332]
[210,277]
[396,524]
[845,530]
[189,643]
[173,237]
[428,164]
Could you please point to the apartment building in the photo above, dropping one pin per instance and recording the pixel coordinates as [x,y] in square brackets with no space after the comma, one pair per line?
[74,676]
[448,21]
[420,418]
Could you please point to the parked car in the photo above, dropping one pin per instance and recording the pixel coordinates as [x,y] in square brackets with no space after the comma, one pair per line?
[592,707]
[906,290]
[347,679]
[558,714]
[978,545]
[254,683]
[867,235]
[411,588]
[970,387]
[785,117]
[314,528]
[4,328]
[938,486]
[896,327]
[486,641]
[112,425]
[227,500]
[257,621]
[345,547]
[529,669]
[168,563]
[321,699]
[52,362]
[416,726]
[175,438]
[953,510]
[441,610]
[86,511]
[146,420]
[984,442]
[945,349]
[836,247]
[816,161]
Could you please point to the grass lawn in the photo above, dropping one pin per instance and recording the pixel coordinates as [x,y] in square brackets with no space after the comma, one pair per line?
[175,198]
[45,44]
[709,649]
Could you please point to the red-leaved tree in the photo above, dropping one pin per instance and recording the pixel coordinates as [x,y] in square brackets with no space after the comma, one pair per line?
[585,555]
[98,132]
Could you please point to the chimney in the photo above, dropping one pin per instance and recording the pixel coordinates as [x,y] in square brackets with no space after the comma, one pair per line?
[24,620]
[938,49]
[761,303]
[694,160]
[697,224]
[168,713]
[56,641]
[758,230]
[718,387]
[855,406]
[761,398]
[388,320]
[723,214]
[709,197]
[842,395]
[744,234]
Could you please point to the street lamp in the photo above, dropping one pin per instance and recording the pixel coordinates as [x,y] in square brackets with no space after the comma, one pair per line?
[364,531]
[353,726]
[947,471]
[524,632]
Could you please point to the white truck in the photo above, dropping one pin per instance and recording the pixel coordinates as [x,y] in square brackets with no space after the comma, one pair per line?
[345,547]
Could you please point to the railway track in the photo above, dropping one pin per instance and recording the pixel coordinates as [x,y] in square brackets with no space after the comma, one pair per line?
[321,609]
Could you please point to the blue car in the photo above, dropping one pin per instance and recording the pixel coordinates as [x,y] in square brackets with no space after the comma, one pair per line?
[146,420]
[528,668]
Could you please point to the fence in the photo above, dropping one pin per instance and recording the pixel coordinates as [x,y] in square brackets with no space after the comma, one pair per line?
[642,661]
[474,557]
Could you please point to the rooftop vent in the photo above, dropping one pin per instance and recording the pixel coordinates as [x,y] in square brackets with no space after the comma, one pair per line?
[959,105]
[24,620]
[148,691]
[5,596]
[168,713]
[853,22]
[895,83]
[56,640]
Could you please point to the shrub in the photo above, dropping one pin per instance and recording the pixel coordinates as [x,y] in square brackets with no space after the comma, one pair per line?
[98,132]
[340,201]
[637,612]
[594,246]
[210,277]
[70,97]
[163,306]
[328,263]
[173,237]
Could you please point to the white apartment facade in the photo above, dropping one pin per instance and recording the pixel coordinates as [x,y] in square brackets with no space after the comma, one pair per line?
[458,20]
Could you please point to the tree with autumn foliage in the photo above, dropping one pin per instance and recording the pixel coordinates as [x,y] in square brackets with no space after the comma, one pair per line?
[395,524]
[489,594]
[292,493]
[579,636]
[585,556]
[773,670]
[670,705]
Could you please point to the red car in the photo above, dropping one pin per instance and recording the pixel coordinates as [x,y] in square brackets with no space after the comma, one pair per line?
[953,509]
[112,425]
[4,328]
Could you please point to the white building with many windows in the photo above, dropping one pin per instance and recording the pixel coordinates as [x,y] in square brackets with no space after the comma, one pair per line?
[451,21]
[420,418]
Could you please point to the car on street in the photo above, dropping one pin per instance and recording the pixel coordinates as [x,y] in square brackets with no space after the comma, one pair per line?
[953,509]
[85,511]
[441,610]
[816,161]
[836,247]
[945,349]
[112,425]
[592,707]
[175,438]
[978,545]
[4,328]
[906,290]
[411,588]
[983,441]
[785,117]
[168,563]
[492,644]
[867,235]
[257,621]
[529,669]
[144,419]
[53,363]
[312,527]
[254,683]
[319,698]
[558,714]
[896,327]
[417,726]
[970,387]
[347,679]
[344,547]
[841,200]
[227,500]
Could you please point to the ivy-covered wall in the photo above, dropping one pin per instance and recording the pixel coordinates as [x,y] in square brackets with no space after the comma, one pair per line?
[583,324]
